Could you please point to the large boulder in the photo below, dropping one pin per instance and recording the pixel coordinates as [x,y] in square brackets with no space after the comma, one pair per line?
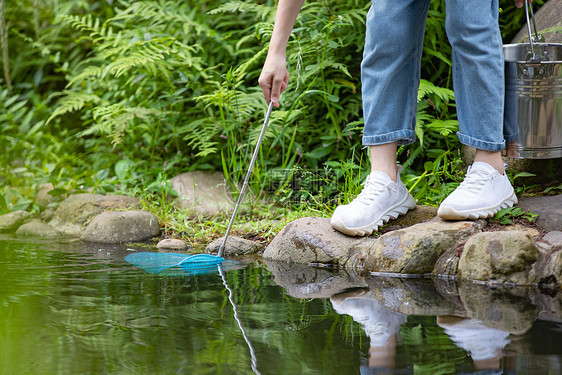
[313,240]
[75,212]
[202,193]
[415,250]
[410,250]
[118,227]
[11,221]
[498,257]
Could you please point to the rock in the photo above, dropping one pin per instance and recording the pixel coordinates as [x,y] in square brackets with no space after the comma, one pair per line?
[37,228]
[521,228]
[313,240]
[11,221]
[234,246]
[48,214]
[549,15]
[447,264]
[547,270]
[118,227]
[549,210]
[554,238]
[75,212]
[42,197]
[498,257]
[415,250]
[301,281]
[202,193]
[415,216]
[172,244]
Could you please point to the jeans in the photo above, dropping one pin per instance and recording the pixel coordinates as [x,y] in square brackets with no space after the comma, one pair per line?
[390,70]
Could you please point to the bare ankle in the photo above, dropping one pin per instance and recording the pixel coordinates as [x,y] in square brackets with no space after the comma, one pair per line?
[383,159]
[492,158]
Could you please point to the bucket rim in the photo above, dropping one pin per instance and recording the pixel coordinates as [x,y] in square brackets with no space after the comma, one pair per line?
[519,45]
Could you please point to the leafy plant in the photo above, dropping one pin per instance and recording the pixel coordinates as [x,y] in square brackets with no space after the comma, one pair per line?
[116,96]
[506,216]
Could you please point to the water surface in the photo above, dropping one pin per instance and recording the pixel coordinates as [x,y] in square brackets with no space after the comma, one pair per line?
[70,308]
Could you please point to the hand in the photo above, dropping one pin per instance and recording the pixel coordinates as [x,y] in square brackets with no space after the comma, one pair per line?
[274,78]
[519,3]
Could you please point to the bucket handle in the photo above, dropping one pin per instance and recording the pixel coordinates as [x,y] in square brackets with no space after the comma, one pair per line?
[538,38]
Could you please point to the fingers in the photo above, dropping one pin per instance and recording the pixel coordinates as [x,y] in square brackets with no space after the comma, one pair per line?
[519,3]
[274,78]
[273,85]
[265,84]
[279,85]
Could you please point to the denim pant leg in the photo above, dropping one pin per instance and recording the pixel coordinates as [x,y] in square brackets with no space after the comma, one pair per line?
[390,70]
[478,71]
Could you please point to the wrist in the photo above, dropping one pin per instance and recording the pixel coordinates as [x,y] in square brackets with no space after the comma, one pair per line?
[277,49]
[276,54]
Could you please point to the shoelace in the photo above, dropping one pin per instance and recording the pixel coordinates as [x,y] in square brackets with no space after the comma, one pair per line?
[474,181]
[371,189]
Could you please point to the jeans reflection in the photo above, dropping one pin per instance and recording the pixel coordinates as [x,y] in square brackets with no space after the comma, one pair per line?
[380,324]
[483,344]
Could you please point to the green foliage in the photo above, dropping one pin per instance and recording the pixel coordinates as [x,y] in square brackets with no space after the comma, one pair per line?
[507,215]
[119,95]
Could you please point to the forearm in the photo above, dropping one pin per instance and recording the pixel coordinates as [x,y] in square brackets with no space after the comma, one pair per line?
[287,12]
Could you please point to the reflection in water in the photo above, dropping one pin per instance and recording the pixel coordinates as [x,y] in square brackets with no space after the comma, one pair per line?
[484,344]
[235,309]
[380,324]
[69,309]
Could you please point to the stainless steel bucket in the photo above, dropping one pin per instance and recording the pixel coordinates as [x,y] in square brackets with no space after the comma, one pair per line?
[533,99]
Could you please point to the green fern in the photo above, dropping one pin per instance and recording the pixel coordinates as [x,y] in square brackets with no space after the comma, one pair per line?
[426,88]
[72,102]
[262,11]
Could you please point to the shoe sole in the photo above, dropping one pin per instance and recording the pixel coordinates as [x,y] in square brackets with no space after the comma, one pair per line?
[401,208]
[449,213]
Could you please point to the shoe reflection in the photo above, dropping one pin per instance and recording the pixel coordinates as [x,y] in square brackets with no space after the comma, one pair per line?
[484,344]
[379,323]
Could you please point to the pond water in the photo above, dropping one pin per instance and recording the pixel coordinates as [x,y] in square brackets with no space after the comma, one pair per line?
[66,308]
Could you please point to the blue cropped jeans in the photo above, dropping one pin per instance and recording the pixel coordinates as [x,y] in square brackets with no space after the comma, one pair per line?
[390,70]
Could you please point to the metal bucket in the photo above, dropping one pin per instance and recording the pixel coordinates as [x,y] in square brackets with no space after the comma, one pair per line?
[533,100]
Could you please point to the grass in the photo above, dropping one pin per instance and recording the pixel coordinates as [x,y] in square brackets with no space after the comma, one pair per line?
[262,223]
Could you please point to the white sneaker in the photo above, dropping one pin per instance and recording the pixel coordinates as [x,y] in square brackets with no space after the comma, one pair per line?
[380,200]
[483,192]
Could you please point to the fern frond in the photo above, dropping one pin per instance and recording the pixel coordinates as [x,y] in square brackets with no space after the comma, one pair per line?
[427,87]
[115,118]
[95,30]
[201,136]
[262,11]
[72,102]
